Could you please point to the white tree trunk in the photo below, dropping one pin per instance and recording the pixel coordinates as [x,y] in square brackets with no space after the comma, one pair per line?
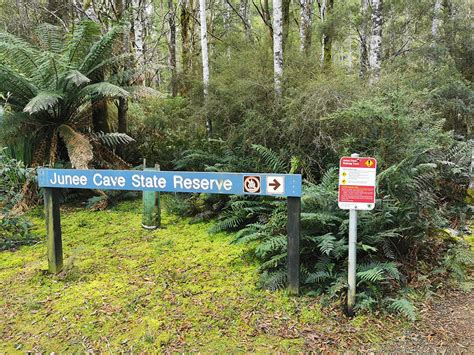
[306,23]
[226,16]
[436,19]
[322,14]
[138,30]
[172,46]
[204,48]
[205,59]
[244,12]
[364,46]
[375,53]
[278,46]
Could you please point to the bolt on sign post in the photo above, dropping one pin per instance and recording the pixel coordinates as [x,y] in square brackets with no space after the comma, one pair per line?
[151,218]
[356,192]
[153,181]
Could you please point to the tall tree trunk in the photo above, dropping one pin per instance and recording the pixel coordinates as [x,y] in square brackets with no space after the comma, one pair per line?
[100,116]
[285,8]
[375,54]
[121,8]
[364,50]
[226,15]
[306,12]
[267,19]
[278,46]
[435,25]
[139,33]
[186,34]
[326,51]
[172,46]
[205,60]
[244,11]
[122,109]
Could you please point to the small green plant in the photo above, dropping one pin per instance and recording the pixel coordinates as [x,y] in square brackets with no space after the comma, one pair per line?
[15,231]
[404,307]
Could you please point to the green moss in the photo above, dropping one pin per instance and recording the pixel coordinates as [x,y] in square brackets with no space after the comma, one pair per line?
[124,288]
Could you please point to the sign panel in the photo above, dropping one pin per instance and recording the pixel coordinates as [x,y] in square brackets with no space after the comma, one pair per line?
[357,183]
[173,181]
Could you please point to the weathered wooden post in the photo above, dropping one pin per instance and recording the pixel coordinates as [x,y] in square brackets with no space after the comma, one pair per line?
[294,214]
[53,230]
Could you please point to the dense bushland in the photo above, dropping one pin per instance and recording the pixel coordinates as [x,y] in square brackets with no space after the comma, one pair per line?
[61,90]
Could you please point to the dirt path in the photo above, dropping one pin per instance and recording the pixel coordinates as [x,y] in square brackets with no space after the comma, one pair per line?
[447,326]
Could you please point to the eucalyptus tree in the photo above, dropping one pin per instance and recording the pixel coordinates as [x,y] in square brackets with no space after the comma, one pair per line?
[363,34]
[205,60]
[278,46]
[375,52]
[49,91]
[436,23]
[306,18]
[172,46]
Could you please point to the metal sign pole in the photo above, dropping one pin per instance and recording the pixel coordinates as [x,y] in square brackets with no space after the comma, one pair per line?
[352,264]
[351,292]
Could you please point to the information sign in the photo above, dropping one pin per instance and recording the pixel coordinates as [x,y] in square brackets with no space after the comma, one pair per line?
[285,185]
[357,183]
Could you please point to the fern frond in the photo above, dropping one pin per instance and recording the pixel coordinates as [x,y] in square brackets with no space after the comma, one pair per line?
[43,102]
[271,159]
[404,307]
[274,261]
[101,51]
[112,139]
[50,37]
[272,245]
[273,280]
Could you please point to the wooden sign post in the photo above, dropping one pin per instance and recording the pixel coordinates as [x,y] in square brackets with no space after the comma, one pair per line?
[281,185]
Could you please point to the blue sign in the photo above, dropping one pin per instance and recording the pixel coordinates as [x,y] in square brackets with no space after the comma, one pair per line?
[173,181]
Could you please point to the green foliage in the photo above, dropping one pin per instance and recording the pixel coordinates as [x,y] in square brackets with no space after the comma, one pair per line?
[113,139]
[387,236]
[163,129]
[459,261]
[404,307]
[13,175]
[45,88]
[14,230]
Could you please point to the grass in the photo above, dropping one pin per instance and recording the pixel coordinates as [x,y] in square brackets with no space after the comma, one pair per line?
[174,289]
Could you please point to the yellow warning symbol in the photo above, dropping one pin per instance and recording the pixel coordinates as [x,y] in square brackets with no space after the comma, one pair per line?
[344,181]
[344,174]
[369,163]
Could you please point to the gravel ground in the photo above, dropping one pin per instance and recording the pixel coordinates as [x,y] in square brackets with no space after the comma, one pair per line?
[446,326]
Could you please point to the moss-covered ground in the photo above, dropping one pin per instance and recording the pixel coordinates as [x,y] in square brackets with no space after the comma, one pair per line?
[175,289]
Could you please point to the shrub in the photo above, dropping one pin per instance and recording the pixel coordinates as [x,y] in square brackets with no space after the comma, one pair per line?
[14,230]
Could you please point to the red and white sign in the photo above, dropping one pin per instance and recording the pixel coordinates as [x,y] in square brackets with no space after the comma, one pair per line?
[357,183]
